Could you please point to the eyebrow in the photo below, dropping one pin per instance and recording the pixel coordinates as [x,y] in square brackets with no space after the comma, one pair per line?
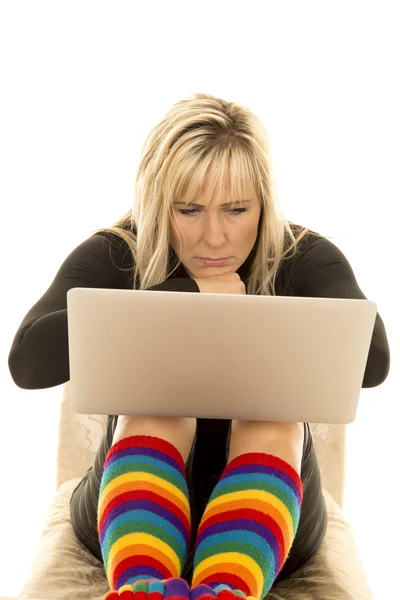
[226,203]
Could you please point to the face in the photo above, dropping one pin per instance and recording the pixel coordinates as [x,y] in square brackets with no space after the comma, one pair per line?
[212,230]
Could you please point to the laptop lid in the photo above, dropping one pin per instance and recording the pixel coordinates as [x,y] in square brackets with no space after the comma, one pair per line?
[221,356]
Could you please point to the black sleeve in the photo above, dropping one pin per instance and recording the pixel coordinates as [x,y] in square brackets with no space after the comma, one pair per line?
[39,356]
[323,271]
[177,284]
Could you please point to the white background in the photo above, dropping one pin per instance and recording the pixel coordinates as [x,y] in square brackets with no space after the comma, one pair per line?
[83,82]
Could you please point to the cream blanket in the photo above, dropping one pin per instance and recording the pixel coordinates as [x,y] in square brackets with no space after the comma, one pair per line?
[64,570]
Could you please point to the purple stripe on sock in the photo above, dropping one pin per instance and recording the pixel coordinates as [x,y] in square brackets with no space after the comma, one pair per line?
[137,452]
[140,571]
[248,469]
[144,505]
[200,590]
[242,525]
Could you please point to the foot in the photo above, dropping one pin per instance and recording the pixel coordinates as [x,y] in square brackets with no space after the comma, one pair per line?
[221,592]
[152,589]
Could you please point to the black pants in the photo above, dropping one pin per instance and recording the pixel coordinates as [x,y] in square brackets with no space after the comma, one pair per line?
[204,466]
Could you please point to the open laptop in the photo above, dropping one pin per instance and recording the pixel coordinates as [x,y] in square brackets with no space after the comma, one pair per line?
[221,356]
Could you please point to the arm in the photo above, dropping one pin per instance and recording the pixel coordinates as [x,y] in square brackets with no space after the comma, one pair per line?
[323,271]
[39,355]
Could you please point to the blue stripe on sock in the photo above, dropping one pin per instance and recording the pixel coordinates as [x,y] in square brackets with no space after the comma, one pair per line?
[133,460]
[250,538]
[144,515]
[264,478]
[142,451]
[249,469]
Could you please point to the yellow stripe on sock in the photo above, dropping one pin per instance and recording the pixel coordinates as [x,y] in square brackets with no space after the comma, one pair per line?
[261,506]
[132,539]
[266,497]
[163,488]
[145,550]
[229,562]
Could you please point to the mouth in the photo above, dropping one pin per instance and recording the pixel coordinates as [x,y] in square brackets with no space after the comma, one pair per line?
[214,261]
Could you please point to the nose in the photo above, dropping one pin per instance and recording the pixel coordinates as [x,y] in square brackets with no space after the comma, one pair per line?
[214,230]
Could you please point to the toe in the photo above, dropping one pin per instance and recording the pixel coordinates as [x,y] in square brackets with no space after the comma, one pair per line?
[176,588]
[202,592]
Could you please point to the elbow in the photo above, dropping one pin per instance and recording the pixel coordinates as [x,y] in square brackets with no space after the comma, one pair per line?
[20,371]
[32,371]
[376,373]
[385,367]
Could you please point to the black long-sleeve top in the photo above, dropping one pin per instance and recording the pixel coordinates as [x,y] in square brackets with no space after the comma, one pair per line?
[39,355]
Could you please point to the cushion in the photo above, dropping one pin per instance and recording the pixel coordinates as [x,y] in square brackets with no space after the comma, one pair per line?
[63,569]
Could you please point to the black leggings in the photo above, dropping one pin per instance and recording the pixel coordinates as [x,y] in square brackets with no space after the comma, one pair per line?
[210,447]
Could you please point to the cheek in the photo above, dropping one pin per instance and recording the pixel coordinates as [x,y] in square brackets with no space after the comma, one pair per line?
[249,230]
[178,226]
[175,227]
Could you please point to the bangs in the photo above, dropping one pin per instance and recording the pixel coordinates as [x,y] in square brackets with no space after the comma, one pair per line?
[226,170]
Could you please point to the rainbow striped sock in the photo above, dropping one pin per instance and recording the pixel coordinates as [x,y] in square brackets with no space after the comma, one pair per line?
[248,527]
[155,589]
[143,517]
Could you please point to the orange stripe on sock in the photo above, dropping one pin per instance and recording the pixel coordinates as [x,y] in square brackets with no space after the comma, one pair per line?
[155,553]
[142,485]
[239,572]
[139,560]
[256,505]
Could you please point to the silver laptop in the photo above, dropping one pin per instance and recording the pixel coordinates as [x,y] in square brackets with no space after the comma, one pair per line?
[220,356]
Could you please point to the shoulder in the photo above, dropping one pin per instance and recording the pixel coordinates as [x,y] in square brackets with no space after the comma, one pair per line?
[102,257]
[315,249]
[106,245]
[314,254]
[322,269]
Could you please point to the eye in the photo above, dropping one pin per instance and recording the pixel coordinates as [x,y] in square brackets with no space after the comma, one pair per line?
[190,212]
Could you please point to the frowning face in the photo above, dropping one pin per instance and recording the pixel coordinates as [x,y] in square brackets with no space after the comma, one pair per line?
[214,229]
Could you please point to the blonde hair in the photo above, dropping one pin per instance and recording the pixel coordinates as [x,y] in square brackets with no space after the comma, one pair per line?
[204,136]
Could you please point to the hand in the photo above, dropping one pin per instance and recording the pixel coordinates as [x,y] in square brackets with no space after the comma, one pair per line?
[227,283]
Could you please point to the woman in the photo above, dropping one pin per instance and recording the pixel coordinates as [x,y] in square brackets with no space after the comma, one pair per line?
[225,507]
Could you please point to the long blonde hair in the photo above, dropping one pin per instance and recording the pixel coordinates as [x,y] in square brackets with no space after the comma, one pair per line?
[205,137]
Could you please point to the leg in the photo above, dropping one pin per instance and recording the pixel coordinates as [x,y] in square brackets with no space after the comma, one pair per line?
[85,497]
[178,432]
[313,516]
[144,510]
[272,437]
[125,470]
[251,519]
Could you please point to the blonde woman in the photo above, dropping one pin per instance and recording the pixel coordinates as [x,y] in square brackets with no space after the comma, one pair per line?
[177,506]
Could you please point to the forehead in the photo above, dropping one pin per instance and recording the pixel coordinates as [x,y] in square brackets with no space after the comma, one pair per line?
[216,191]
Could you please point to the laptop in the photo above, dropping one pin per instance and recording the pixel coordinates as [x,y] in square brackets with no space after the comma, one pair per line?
[218,356]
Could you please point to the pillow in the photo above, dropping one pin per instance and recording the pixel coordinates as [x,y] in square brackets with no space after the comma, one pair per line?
[63,569]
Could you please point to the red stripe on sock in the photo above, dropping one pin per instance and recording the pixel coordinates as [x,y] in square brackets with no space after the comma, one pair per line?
[252,515]
[147,441]
[140,560]
[260,458]
[144,495]
[237,582]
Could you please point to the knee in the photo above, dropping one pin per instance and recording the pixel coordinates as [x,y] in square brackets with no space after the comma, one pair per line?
[279,438]
[176,430]
[268,428]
